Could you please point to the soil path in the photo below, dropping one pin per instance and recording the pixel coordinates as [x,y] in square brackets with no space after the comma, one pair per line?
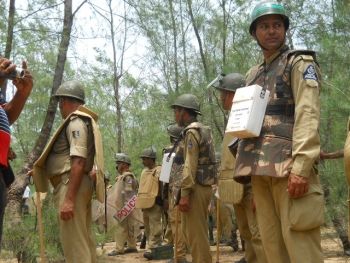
[331,246]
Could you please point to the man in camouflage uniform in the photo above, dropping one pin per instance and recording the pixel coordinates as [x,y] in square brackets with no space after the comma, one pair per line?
[174,132]
[66,161]
[126,188]
[197,177]
[282,161]
[149,200]
[242,201]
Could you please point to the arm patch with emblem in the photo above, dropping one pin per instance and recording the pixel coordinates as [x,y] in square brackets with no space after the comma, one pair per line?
[76,134]
[310,73]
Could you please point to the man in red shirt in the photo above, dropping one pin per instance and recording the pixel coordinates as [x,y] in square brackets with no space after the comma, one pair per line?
[9,112]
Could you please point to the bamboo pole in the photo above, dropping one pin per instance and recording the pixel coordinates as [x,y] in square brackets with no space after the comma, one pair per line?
[218,230]
[40,229]
[176,232]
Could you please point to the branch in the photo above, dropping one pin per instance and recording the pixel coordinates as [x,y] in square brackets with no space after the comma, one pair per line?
[76,10]
[332,155]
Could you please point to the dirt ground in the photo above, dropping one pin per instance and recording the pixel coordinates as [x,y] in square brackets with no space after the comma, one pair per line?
[331,246]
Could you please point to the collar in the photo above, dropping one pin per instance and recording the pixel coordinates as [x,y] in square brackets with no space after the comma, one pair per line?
[275,55]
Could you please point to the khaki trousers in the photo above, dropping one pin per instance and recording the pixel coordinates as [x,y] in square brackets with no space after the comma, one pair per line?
[181,245]
[225,221]
[75,234]
[248,228]
[195,224]
[152,220]
[125,232]
[281,243]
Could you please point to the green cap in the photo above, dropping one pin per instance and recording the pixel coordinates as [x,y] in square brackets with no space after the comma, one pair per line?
[149,153]
[174,130]
[268,8]
[231,82]
[72,89]
[187,101]
[123,158]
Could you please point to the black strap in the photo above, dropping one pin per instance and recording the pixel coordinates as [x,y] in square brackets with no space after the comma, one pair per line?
[287,110]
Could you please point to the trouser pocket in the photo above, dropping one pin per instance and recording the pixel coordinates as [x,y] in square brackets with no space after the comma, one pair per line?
[307,212]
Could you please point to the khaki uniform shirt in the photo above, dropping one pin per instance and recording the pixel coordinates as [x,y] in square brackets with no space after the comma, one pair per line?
[76,140]
[191,154]
[306,138]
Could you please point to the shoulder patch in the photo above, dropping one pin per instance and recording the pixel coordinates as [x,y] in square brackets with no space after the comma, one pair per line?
[310,73]
[190,144]
[128,180]
[76,134]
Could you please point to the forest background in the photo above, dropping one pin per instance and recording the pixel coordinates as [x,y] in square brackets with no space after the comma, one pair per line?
[135,57]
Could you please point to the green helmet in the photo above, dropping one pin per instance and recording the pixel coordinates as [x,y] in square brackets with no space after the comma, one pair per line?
[231,82]
[268,8]
[72,89]
[149,153]
[123,158]
[174,130]
[187,101]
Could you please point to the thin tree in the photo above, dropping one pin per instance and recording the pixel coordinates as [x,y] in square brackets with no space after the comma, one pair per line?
[17,188]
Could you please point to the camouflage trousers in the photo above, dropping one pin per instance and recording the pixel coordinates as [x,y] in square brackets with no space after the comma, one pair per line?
[282,241]
[76,234]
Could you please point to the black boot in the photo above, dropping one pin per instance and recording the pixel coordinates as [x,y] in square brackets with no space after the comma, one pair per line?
[143,242]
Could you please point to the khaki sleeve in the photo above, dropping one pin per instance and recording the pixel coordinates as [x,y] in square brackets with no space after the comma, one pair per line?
[191,154]
[77,136]
[128,183]
[305,80]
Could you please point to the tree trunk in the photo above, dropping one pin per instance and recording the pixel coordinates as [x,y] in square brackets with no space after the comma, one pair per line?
[17,188]
[173,23]
[9,40]
[205,67]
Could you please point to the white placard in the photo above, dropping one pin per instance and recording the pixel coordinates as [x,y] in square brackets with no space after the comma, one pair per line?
[167,163]
[248,111]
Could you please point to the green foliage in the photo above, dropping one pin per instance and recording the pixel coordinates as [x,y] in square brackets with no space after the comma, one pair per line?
[23,239]
[148,83]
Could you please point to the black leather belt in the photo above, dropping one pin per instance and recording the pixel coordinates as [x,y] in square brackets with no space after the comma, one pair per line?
[287,110]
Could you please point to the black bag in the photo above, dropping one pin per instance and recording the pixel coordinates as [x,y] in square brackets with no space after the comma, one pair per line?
[8,175]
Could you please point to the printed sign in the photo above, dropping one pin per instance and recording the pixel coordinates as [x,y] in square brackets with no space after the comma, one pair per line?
[123,213]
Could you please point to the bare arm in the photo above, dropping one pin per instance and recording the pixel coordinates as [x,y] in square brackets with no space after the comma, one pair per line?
[75,178]
[24,87]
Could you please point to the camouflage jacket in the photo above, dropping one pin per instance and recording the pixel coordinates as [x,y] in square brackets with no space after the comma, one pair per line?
[270,154]
[199,137]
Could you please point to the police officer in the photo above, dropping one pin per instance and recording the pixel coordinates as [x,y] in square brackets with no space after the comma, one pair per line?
[66,162]
[282,161]
[174,132]
[246,218]
[149,200]
[126,189]
[198,176]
